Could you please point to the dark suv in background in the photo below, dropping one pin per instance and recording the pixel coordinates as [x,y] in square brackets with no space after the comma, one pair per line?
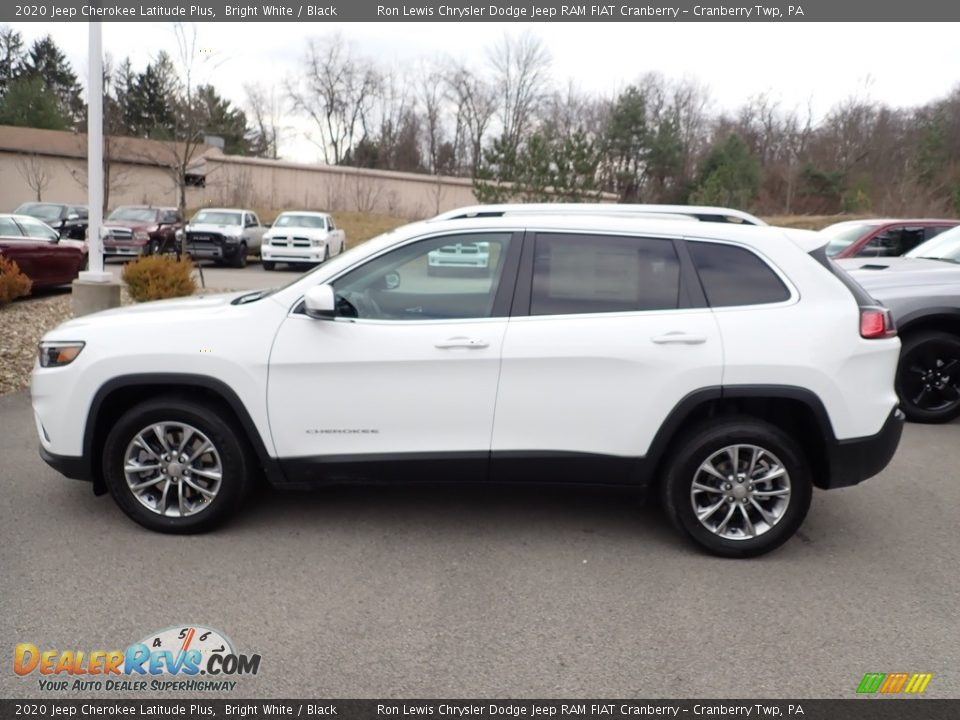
[134,230]
[68,220]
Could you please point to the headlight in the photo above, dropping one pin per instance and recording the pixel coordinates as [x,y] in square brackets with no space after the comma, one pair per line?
[58,354]
[141,235]
[316,242]
[232,239]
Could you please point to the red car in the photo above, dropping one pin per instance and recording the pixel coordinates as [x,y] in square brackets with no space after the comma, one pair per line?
[881,238]
[39,252]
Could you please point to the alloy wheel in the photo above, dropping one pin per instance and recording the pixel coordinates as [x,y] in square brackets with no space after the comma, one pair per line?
[173,469]
[740,492]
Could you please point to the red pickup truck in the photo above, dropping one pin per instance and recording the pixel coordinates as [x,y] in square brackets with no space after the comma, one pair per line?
[134,230]
[39,252]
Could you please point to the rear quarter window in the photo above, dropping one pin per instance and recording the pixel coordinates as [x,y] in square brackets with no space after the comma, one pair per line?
[732,276]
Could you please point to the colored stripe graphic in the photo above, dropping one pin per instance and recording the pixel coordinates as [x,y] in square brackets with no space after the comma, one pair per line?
[918,682]
[871,683]
[893,683]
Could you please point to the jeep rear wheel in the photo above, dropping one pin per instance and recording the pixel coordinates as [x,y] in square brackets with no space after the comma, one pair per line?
[738,487]
[175,466]
[928,377]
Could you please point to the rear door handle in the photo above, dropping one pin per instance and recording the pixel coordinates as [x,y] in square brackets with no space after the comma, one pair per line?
[678,338]
[461,342]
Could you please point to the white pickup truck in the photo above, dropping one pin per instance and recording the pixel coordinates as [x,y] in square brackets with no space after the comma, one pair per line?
[224,235]
[302,238]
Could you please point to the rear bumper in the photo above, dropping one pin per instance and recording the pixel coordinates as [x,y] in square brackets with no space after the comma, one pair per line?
[855,460]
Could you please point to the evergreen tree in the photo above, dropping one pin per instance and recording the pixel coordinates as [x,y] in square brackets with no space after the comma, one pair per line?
[729,176]
[11,57]
[224,120]
[28,102]
[47,62]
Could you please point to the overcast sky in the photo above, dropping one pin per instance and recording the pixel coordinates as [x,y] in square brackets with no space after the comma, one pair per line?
[900,64]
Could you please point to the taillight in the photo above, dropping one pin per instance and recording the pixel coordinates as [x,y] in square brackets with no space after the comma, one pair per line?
[876,322]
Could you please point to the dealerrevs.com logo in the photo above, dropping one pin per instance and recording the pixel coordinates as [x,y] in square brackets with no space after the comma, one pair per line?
[181,658]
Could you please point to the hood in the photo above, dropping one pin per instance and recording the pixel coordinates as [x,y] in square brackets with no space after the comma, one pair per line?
[215,228]
[149,312]
[128,224]
[309,232]
[901,272]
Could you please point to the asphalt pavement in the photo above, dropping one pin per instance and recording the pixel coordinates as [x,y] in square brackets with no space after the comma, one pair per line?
[492,592]
[252,277]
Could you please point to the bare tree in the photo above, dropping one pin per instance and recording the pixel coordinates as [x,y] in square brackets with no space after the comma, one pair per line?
[265,110]
[430,98]
[336,92]
[521,66]
[34,172]
[182,154]
[475,106]
[116,177]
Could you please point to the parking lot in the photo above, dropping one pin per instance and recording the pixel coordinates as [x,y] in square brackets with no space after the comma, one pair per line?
[493,592]
[252,277]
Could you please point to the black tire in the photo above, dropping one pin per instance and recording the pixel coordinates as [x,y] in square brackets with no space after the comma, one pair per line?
[269,265]
[326,254]
[702,442]
[239,260]
[928,377]
[234,462]
[151,248]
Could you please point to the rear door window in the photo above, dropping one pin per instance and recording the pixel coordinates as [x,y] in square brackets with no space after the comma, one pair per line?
[732,276]
[574,274]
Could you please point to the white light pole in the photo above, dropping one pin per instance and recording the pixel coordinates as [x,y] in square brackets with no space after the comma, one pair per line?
[96,271]
[95,289]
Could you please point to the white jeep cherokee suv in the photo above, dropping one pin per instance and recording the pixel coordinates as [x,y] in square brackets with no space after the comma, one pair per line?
[733,368]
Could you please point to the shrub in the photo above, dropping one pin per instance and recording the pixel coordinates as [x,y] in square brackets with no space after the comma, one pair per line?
[13,283]
[157,277]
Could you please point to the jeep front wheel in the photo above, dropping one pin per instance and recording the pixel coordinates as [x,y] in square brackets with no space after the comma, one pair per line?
[175,466]
[739,487]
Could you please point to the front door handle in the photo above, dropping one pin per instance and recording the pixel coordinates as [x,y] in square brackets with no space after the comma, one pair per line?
[678,338]
[461,342]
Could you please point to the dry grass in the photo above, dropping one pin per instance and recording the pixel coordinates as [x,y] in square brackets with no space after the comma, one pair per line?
[360,227]
[810,222]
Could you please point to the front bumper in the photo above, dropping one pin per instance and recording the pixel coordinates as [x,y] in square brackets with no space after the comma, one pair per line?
[289,255]
[76,468]
[131,249]
[857,459]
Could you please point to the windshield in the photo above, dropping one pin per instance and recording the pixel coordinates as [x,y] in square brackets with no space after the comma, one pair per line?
[134,214]
[37,229]
[217,217]
[843,235]
[301,221]
[44,211]
[945,246]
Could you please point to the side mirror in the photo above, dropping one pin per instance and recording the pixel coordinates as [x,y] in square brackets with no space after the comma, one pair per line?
[320,302]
